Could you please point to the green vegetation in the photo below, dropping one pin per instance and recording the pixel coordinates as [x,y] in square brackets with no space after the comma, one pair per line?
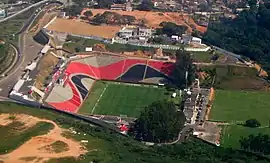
[202,56]
[233,106]
[232,77]
[7,56]
[59,146]
[146,5]
[259,143]
[248,34]
[112,18]
[252,123]
[246,113]
[12,135]
[184,64]
[169,29]
[78,44]
[106,146]
[119,98]
[159,122]
[232,134]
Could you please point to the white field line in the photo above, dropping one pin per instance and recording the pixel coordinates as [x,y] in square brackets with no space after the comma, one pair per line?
[98,100]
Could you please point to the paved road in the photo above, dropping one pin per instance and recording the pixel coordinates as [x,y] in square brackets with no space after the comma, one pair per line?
[28,50]
[25,9]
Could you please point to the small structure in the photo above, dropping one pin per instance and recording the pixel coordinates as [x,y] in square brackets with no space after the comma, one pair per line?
[186,38]
[145,32]
[118,7]
[3,13]
[196,40]
[45,49]
[88,49]
[176,38]
[126,32]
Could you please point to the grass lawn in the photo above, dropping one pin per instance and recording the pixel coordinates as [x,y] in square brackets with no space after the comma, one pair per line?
[79,44]
[233,133]
[201,56]
[234,106]
[116,99]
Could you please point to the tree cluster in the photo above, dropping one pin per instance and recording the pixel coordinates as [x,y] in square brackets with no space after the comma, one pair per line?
[73,10]
[159,122]
[258,144]
[169,29]
[113,18]
[248,34]
[146,5]
[184,64]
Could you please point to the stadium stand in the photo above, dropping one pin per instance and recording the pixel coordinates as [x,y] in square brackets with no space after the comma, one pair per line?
[80,75]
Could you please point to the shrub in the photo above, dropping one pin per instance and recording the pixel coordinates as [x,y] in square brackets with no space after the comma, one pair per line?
[252,123]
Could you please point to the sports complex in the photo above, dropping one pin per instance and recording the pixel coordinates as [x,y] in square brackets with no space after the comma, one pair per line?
[109,84]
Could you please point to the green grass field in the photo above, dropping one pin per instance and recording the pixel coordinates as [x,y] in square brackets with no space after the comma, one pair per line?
[201,56]
[122,99]
[233,133]
[234,106]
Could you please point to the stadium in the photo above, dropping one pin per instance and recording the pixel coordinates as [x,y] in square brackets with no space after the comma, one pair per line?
[82,79]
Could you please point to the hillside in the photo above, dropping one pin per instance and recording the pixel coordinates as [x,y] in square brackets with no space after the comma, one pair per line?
[247,35]
[106,146]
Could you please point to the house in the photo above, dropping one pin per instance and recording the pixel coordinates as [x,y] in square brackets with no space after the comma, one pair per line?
[126,32]
[123,7]
[176,38]
[128,6]
[196,40]
[3,13]
[187,39]
[145,32]
[118,7]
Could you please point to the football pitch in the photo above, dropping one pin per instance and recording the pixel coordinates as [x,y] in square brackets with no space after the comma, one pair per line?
[234,106]
[111,98]
[233,133]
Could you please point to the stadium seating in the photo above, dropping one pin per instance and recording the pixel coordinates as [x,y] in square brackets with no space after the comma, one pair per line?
[108,67]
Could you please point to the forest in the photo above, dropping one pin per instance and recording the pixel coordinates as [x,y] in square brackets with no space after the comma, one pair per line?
[248,34]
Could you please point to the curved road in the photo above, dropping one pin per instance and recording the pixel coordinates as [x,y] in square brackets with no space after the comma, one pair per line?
[27,51]
[23,10]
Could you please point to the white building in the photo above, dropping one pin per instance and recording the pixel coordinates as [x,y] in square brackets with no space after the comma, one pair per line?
[3,13]
[126,32]
[187,39]
[145,32]
[196,40]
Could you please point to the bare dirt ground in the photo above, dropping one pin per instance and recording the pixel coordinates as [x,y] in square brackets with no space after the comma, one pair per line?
[153,19]
[45,67]
[211,99]
[82,28]
[210,132]
[37,149]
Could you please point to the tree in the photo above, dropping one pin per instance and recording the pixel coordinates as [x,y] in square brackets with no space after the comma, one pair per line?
[146,5]
[73,10]
[158,122]
[252,123]
[183,64]
[258,144]
[248,34]
[104,3]
[170,29]
[88,13]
